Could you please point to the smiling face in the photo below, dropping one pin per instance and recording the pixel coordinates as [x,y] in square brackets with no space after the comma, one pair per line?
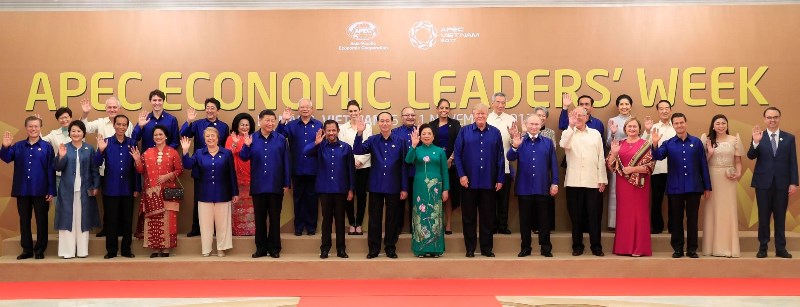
[533,124]
[679,124]
[65,119]
[331,132]
[120,126]
[159,137]
[305,109]
[76,134]
[354,112]
[385,122]
[632,128]
[267,123]
[33,127]
[443,109]
[211,137]
[211,111]
[624,106]
[479,115]
[426,136]
[409,117]
[243,127]
[157,103]
[664,110]
[499,104]
[772,118]
[112,107]
[721,126]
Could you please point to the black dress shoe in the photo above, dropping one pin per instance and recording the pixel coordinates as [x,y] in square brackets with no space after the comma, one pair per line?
[524,253]
[154,255]
[783,254]
[298,234]
[24,256]
[260,253]
[547,254]
[128,255]
[41,256]
[275,254]
[577,253]
[323,255]
[448,232]
[692,255]
[101,234]
[487,254]
[372,255]
[677,254]
[598,253]
[109,256]
[392,255]
[342,254]
[761,254]
[504,231]
[164,255]
[193,233]
[311,233]
[470,254]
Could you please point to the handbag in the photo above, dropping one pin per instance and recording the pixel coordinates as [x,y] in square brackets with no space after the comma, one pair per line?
[174,193]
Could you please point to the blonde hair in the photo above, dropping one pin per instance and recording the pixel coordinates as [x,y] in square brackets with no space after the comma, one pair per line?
[212,130]
[633,119]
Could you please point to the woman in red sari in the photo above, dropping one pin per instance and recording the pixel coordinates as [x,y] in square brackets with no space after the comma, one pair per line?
[633,163]
[242,216]
[160,167]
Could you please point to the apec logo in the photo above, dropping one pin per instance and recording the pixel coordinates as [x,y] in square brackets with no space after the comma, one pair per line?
[362,30]
[422,35]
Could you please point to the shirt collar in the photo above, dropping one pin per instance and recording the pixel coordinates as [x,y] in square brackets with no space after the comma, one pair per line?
[778,132]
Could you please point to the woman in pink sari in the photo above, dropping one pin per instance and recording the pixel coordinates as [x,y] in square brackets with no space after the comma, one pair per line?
[631,160]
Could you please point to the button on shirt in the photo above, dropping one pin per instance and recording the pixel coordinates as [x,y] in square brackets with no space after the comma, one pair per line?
[336,168]
[687,169]
[121,178]
[104,126]
[388,171]
[538,166]
[216,175]
[502,122]
[404,132]
[348,133]
[593,122]
[667,132]
[145,133]
[300,135]
[479,156]
[196,128]
[34,168]
[586,164]
[269,163]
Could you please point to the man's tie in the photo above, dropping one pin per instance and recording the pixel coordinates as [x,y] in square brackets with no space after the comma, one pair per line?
[774,143]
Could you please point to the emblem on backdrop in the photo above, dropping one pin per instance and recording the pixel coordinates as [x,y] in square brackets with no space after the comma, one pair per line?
[424,35]
[362,35]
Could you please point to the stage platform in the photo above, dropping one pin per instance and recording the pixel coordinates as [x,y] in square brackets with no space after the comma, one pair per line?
[300,260]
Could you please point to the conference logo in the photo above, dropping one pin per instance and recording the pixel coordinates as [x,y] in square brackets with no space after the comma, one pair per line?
[361,35]
[424,35]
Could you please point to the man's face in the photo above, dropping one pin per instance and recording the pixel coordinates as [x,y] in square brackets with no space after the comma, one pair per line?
[586,103]
[157,103]
[664,111]
[409,117]
[211,111]
[499,104]
[112,108]
[385,122]
[120,126]
[479,115]
[331,132]
[533,124]
[267,123]
[34,128]
[679,124]
[772,119]
[305,108]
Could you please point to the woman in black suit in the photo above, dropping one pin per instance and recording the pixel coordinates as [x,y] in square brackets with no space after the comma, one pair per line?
[445,130]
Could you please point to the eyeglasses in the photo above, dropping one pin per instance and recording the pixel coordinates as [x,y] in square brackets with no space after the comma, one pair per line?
[772,117]
[409,115]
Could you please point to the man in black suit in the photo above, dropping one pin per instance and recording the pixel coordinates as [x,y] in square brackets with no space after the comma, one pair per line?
[774,178]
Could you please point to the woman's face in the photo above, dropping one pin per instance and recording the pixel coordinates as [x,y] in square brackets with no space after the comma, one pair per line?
[64,120]
[354,112]
[721,125]
[444,109]
[244,127]
[76,134]
[212,139]
[426,136]
[159,137]
[632,128]
[624,107]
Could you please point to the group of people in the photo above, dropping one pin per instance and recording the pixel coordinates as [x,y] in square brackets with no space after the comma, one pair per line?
[242,171]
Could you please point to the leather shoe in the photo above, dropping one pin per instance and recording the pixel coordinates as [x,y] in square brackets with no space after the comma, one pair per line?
[275,254]
[524,253]
[164,255]
[311,233]
[193,233]
[41,256]
[24,256]
[598,253]
[372,255]
[154,255]
[324,254]
[448,232]
[504,231]
[487,254]
[470,254]
[342,254]
[101,234]
[677,254]
[783,254]
[109,256]
[392,255]
[577,253]
[547,254]
[259,254]
[761,254]
[692,255]
[128,255]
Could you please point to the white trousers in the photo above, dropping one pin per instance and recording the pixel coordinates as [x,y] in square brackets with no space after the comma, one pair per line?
[209,215]
[74,242]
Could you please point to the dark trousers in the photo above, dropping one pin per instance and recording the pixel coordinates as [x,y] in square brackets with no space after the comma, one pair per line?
[267,214]
[551,213]
[772,202]
[456,190]
[406,206]
[195,216]
[306,203]
[583,205]
[27,206]
[393,209]
[502,204]
[531,208]
[355,208]
[118,219]
[479,205]
[680,203]
[332,208]
[658,184]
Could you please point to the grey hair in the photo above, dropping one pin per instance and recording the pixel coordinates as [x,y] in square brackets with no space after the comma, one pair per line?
[543,109]
[498,94]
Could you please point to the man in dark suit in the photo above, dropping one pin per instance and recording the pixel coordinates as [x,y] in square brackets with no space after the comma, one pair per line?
[774,178]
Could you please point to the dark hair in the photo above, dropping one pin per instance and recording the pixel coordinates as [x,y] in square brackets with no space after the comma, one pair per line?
[265,113]
[624,96]
[669,104]
[712,135]
[63,110]
[239,117]
[439,104]
[423,127]
[330,121]
[77,123]
[121,116]
[676,115]
[214,101]
[162,128]
[384,112]
[586,96]
[353,102]
[32,118]
[773,109]
[158,93]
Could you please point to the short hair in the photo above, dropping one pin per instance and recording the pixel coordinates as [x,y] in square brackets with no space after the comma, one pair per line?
[158,93]
[266,113]
[773,109]
[238,118]
[353,102]
[480,106]
[32,118]
[385,112]
[214,101]
[633,119]
[304,100]
[63,110]
[423,127]
[676,115]
[330,121]
[439,104]
[77,123]
[543,109]
[403,109]
[163,129]
[624,96]
[669,104]
[112,98]
[534,116]
[212,130]
[498,94]
[121,116]
[586,96]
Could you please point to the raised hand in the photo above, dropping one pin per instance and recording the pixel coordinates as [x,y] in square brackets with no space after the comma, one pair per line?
[709,148]
[185,143]
[655,136]
[612,125]
[86,105]
[648,123]
[191,115]
[102,143]
[615,145]
[142,119]
[360,125]
[235,138]
[287,115]
[37,116]
[7,139]
[516,138]
[62,150]
[573,118]
[757,134]
[137,157]
[414,138]
[248,139]
[566,101]
[320,136]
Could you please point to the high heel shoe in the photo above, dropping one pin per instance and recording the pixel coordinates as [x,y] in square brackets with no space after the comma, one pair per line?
[351,231]
[359,232]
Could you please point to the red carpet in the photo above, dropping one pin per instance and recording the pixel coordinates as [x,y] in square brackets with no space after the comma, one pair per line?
[400,301]
[472,289]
